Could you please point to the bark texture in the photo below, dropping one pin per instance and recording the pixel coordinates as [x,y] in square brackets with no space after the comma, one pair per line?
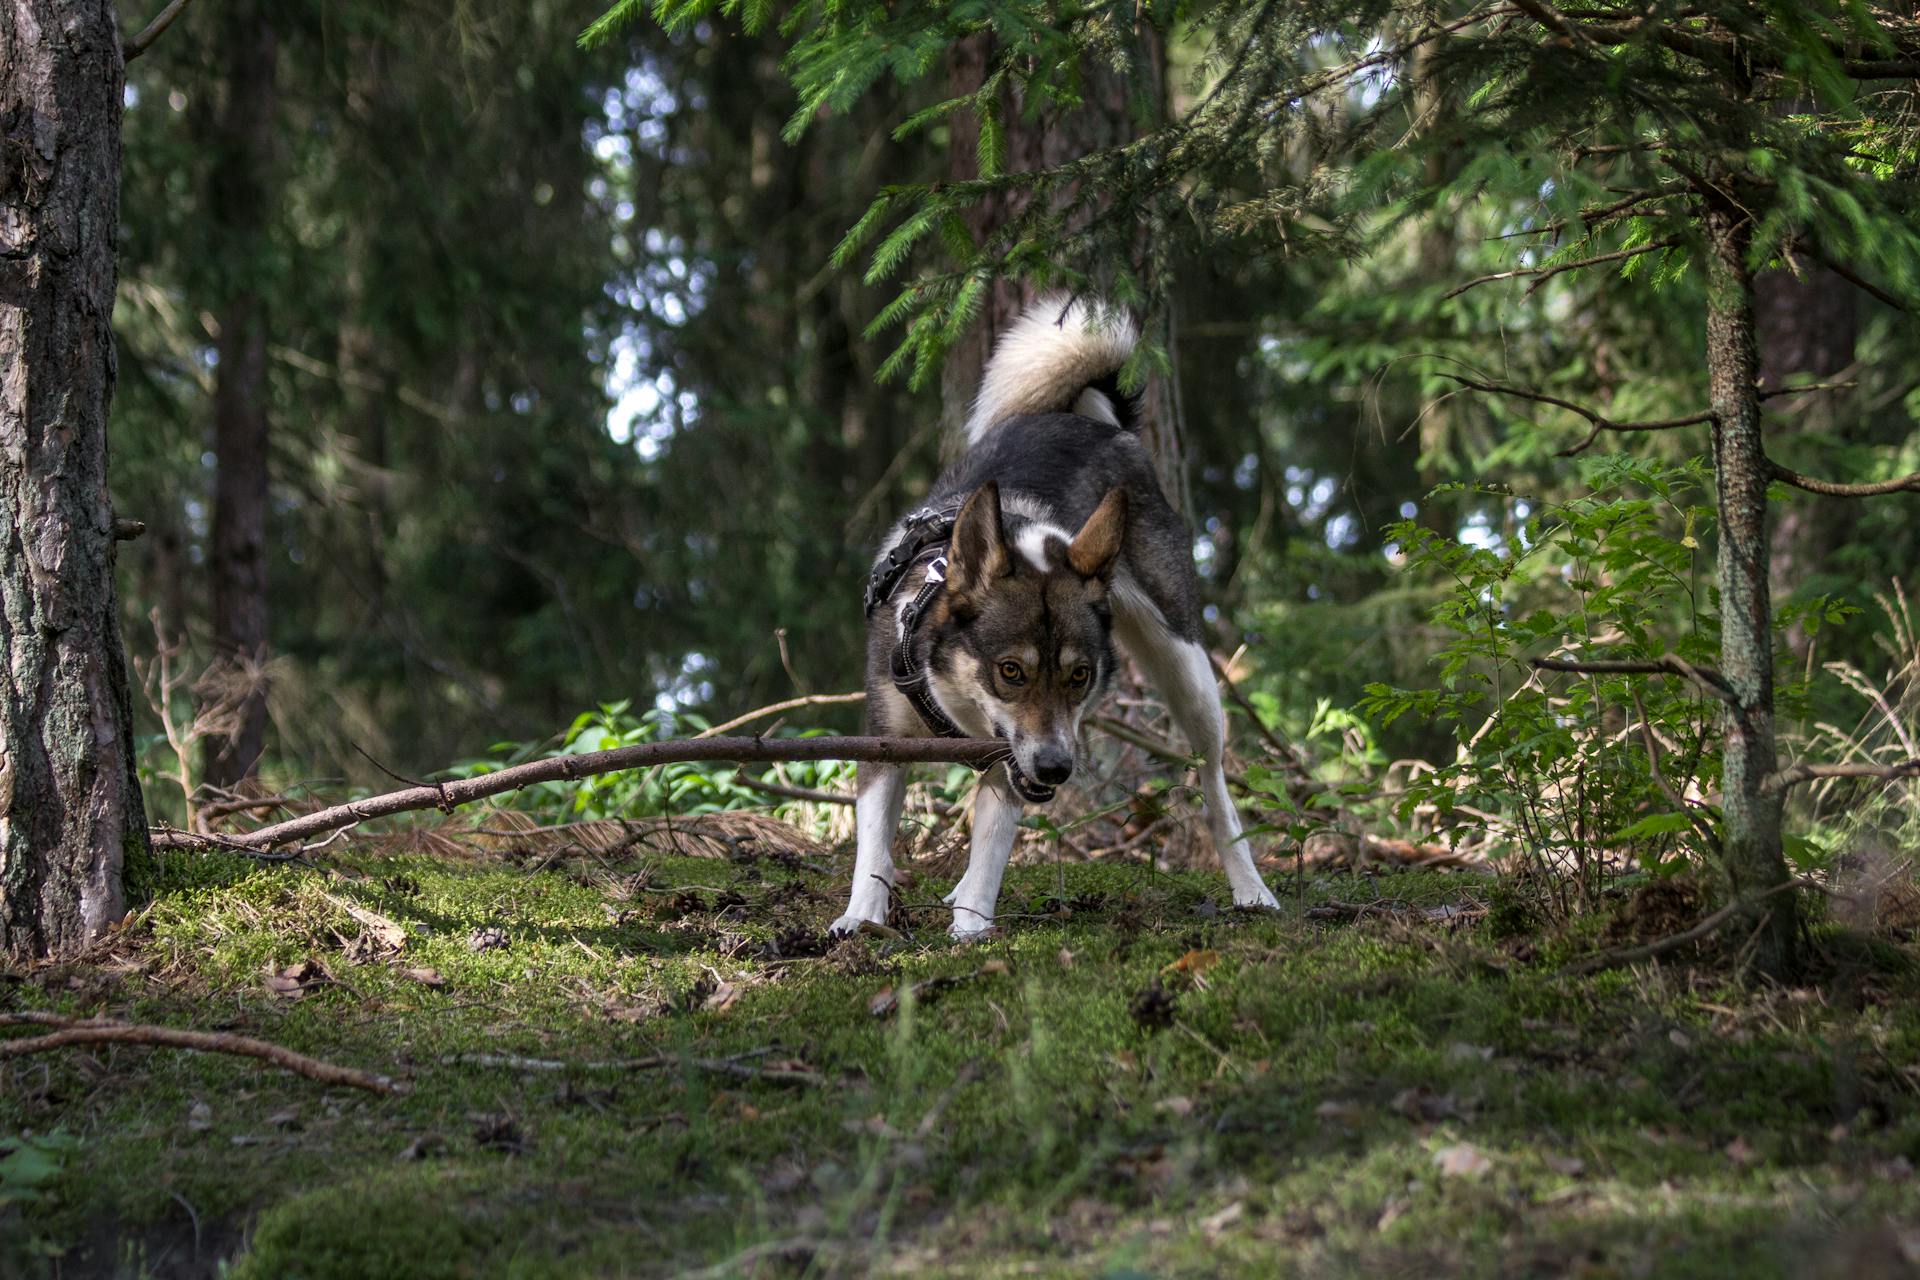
[234,689]
[1105,118]
[70,810]
[1752,851]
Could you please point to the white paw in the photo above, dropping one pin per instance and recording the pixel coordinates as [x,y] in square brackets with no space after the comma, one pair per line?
[970,929]
[1261,898]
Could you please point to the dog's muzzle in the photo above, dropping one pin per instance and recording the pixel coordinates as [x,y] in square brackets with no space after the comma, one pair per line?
[1028,789]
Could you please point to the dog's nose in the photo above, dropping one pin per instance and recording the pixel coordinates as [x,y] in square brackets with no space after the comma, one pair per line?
[1052,765]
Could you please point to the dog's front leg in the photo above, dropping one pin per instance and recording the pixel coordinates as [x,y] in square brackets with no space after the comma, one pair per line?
[996,821]
[881,789]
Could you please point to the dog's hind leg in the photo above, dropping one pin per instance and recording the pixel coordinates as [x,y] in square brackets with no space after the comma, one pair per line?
[996,822]
[1180,670]
[881,790]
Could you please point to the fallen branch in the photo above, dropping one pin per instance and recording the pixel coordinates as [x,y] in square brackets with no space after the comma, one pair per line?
[1871,489]
[1671,664]
[1600,421]
[1795,774]
[714,1066]
[73,1031]
[1706,928]
[793,793]
[449,795]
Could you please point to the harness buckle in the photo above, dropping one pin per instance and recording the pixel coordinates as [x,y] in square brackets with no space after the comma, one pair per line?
[937,571]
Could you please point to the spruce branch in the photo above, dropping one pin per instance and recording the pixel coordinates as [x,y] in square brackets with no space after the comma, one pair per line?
[1600,421]
[1830,489]
[1545,274]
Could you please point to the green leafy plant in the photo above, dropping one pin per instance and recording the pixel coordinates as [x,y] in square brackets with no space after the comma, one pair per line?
[1582,775]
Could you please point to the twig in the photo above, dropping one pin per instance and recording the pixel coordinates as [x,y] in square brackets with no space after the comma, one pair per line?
[792,793]
[1287,754]
[1672,793]
[807,700]
[654,1062]
[1632,955]
[1154,746]
[1795,774]
[974,751]
[1670,664]
[1861,283]
[1547,273]
[73,1031]
[1600,421]
[1871,489]
[152,31]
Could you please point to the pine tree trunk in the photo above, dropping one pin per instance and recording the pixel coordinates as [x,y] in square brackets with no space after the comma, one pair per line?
[236,683]
[70,807]
[1752,847]
[1104,119]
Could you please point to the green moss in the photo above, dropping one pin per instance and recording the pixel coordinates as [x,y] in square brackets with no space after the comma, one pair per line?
[1022,1120]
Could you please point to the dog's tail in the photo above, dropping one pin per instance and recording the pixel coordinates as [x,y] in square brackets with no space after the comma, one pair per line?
[1061,356]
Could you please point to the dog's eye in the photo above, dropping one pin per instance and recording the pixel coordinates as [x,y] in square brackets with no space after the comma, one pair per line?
[1010,672]
[1080,674]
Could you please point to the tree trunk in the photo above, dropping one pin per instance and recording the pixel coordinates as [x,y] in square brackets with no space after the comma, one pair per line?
[234,689]
[70,809]
[1104,119]
[1755,863]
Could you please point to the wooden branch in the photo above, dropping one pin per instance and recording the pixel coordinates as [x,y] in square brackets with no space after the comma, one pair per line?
[1600,421]
[809,700]
[72,1031]
[1547,273]
[450,795]
[1706,928]
[792,793]
[1860,282]
[152,31]
[1871,489]
[1795,774]
[1153,746]
[1671,664]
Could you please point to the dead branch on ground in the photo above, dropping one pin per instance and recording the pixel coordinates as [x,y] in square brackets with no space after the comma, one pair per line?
[448,796]
[74,1031]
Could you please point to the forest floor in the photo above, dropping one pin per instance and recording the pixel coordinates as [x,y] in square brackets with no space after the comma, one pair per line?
[1127,1081]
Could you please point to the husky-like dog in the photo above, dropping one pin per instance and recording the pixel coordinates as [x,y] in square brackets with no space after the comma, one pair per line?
[993,609]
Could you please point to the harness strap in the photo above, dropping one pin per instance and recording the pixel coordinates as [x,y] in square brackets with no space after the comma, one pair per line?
[915,682]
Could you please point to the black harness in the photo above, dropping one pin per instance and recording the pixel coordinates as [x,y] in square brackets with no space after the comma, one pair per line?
[926,530]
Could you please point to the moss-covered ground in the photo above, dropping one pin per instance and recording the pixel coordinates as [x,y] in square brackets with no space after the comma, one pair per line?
[1127,1081]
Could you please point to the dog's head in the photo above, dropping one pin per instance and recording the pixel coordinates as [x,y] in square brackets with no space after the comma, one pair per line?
[1023,644]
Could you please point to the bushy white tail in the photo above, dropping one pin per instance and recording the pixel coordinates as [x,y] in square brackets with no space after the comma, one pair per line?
[1049,361]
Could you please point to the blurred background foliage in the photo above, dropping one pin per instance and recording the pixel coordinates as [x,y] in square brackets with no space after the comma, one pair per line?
[567,406]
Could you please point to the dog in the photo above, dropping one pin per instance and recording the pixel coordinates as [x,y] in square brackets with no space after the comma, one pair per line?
[993,610]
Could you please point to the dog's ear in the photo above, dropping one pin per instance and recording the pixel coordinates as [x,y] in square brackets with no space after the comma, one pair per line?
[1096,548]
[978,553]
